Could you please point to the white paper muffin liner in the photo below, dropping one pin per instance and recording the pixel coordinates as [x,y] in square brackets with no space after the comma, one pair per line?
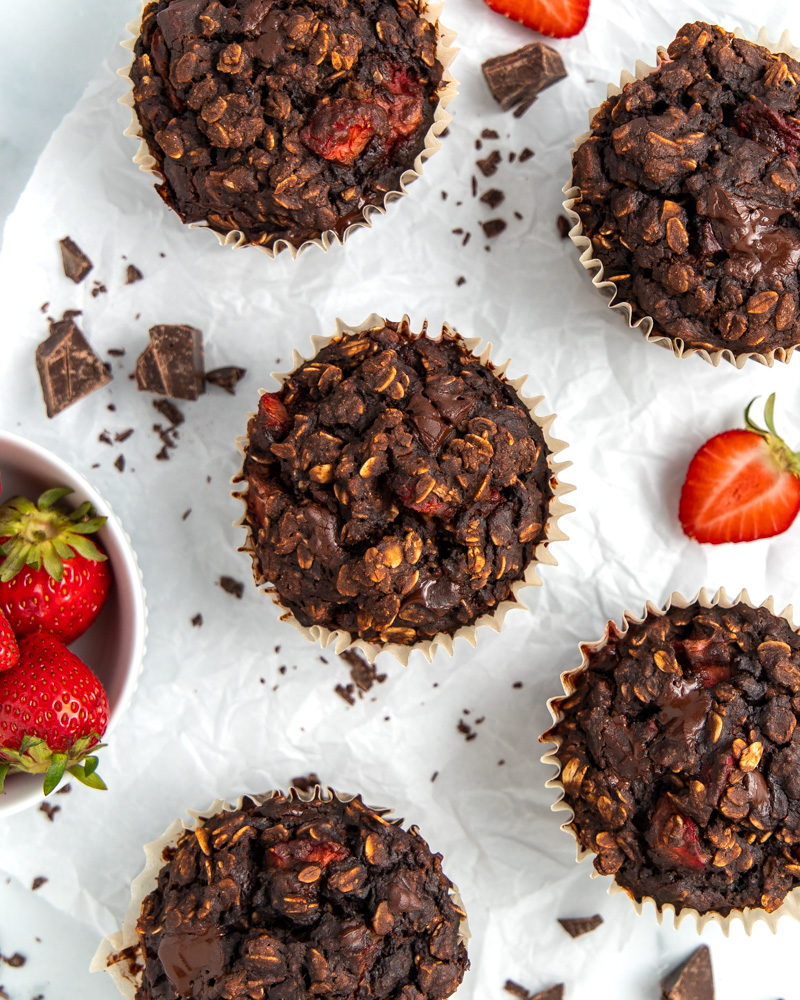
[119,953]
[342,640]
[646,324]
[750,916]
[448,88]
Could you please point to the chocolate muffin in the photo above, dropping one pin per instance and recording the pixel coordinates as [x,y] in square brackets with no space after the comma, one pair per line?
[397,487]
[283,119]
[680,757]
[689,194]
[292,899]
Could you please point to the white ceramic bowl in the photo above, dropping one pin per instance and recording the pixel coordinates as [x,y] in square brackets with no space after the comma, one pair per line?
[114,646]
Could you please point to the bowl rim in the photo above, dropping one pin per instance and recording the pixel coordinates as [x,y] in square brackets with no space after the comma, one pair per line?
[127,565]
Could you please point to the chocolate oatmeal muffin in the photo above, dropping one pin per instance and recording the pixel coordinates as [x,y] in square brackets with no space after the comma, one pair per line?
[284,119]
[291,899]
[397,488]
[680,757]
[689,195]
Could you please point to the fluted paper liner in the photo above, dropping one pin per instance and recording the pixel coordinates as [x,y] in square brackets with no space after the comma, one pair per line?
[448,88]
[342,640]
[119,954]
[750,916]
[646,324]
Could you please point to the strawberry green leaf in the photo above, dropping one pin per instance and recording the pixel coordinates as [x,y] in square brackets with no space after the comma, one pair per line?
[55,772]
[3,773]
[53,565]
[86,548]
[92,779]
[49,497]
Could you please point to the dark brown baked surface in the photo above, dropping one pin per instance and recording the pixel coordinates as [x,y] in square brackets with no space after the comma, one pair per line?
[397,487]
[290,900]
[689,193]
[283,118]
[680,758]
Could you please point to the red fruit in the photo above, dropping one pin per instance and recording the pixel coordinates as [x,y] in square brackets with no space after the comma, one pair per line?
[272,415]
[769,128]
[9,651]
[557,18]
[341,129]
[53,711]
[304,852]
[431,505]
[741,485]
[674,838]
[53,578]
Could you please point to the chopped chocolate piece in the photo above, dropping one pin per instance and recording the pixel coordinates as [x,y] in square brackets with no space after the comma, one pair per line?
[515,990]
[117,352]
[16,961]
[434,776]
[520,111]
[68,368]
[444,473]
[99,289]
[76,264]
[226,378]
[163,455]
[461,281]
[467,238]
[526,154]
[64,790]
[478,145]
[44,307]
[466,730]
[488,166]
[518,215]
[511,157]
[362,674]
[169,411]
[688,194]
[474,187]
[123,435]
[493,227]
[233,587]
[694,980]
[119,464]
[283,121]
[197,621]
[172,364]
[347,693]
[307,783]
[680,749]
[552,993]
[105,438]
[320,898]
[517,77]
[38,882]
[493,197]
[578,926]
[489,133]
[185,514]
[112,407]
[132,275]
[49,811]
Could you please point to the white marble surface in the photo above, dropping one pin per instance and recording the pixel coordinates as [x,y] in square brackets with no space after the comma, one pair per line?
[203,724]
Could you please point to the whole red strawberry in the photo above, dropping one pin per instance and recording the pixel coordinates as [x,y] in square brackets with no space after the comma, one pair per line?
[741,485]
[53,711]
[9,651]
[53,578]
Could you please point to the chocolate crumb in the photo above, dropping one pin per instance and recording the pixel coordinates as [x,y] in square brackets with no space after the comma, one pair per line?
[197,621]
[232,587]
[694,980]
[434,776]
[38,882]
[578,926]
[277,649]
[526,154]
[493,197]
[517,685]
[466,730]
[99,289]
[493,227]
[457,232]
[478,145]
[49,811]
[132,275]
[105,438]
[461,281]
[444,198]
[552,993]
[76,264]
[512,157]
[170,411]
[64,790]
[488,166]
[163,455]
[474,186]
[516,990]
[112,407]
[323,660]
[282,671]
[518,215]
[520,111]
[44,307]
[226,378]
[116,352]
[346,693]
[500,763]
[16,961]
[120,463]
[467,238]
[123,435]
[307,782]
[489,133]
[362,674]
[563,225]
[186,513]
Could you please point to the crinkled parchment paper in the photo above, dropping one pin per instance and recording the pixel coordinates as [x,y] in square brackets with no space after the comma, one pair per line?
[214,715]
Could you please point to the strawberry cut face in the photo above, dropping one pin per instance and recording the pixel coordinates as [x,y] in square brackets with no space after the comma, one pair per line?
[769,128]
[341,130]
[295,853]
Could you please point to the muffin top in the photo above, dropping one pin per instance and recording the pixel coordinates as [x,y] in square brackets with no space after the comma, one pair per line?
[293,899]
[282,119]
[680,757]
[397,487]
[689,193]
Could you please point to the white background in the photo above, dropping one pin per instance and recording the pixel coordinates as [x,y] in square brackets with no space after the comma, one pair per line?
[202,724]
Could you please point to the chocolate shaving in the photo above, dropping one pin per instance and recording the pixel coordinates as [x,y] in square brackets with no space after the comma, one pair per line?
[226,378]
[172,364]
[493,197]
[516,990]
[346,693]
[517,78]
[170,411]
[123,435]
[76,264]
[133,275]
[578,926]
[68,367]
[105,438]
[694,980]
[233,587]
[117,352]
[488,165]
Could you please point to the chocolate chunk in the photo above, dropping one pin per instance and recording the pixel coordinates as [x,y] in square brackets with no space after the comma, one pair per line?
[133,274]
[515,990]
[362,673]
[233,587]
[226,378]
[578,926]
[170,411]
[526,154]
[489,133]
[493,197]
[518,77]
[120,463]
[76,264]
[38,882]
[346,693]
[563,225]
[553,993]
[488,165]
[16,961]
[197,621]
[433,429]
[493,227]
[172,365]
[123,435]
[694,980]
[105,438]
[68,367]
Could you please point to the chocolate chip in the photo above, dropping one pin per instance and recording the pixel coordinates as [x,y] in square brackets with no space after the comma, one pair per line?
[105,438]
[76,264]
[694,980]
[197,621]
[563,225]
[516,78]
[231,586]
[526,154]
[172,364]
[493,197]
[488,165]
[493,227]
[578,926]
[132,275]
[226,378]
[38,882]
[68,368]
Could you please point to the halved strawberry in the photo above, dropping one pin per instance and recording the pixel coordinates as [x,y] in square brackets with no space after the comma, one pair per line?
[557,18]
[741,485]
[9,650]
